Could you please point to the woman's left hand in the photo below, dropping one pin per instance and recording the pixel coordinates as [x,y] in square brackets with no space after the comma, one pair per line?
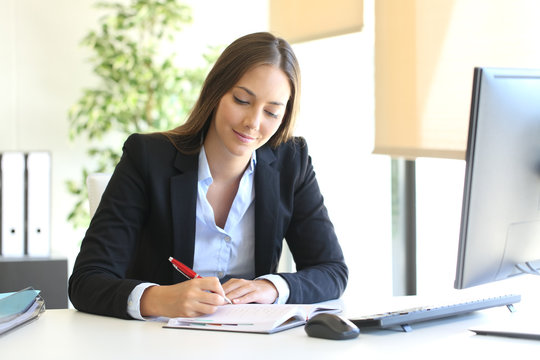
[241,291]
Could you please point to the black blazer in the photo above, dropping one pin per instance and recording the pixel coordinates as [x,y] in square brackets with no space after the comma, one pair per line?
[147,213]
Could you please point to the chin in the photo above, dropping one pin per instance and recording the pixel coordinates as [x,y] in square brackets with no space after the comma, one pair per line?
[240,150]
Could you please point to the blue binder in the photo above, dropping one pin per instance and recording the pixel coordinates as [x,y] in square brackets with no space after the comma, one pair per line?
[19,308]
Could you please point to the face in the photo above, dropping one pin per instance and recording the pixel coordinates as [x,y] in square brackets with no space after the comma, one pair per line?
[251,112]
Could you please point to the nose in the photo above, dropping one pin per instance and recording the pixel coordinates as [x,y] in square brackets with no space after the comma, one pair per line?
[252,120]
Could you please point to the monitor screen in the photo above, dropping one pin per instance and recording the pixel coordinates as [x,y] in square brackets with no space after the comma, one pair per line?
[500,220]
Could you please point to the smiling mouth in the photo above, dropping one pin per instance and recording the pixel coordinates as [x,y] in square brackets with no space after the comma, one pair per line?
[243,137]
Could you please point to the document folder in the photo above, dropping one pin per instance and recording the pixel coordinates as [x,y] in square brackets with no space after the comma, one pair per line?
[13,203]
[38,165]
[19,308]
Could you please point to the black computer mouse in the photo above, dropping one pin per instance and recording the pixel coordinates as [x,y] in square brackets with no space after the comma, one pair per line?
[331,326]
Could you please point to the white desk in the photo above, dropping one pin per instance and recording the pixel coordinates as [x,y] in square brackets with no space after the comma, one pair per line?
[69,334]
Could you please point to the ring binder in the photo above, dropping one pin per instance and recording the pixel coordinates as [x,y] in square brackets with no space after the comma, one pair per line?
[38,200]
[13,203]
[25,193]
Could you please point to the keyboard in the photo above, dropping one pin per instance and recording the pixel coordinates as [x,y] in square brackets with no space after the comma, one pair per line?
[405,317]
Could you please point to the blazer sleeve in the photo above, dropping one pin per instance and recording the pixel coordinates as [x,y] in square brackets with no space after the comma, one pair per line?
[321,270]
[98,283]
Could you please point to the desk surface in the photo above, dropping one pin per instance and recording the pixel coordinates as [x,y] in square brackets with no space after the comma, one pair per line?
[69,334]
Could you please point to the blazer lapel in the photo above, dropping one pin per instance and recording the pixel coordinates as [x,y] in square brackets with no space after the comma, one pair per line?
[266,209]
[183,208]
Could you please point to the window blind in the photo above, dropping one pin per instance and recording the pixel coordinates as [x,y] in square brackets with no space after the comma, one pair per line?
[425,53]
[304,20]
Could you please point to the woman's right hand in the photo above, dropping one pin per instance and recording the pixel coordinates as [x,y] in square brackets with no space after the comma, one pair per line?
[186,299]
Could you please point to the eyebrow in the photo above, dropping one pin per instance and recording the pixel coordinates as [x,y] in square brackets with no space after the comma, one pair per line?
[253,94]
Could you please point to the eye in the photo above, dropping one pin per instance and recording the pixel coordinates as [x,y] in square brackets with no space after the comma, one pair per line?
[240,101]
[271,114]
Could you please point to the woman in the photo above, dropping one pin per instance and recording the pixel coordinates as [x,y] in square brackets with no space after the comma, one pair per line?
[219,193]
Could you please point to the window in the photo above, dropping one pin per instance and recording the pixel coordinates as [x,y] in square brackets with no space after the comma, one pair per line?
[439,193]
[337,119]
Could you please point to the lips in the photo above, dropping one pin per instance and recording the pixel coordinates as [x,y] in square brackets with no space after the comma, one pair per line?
[243,137]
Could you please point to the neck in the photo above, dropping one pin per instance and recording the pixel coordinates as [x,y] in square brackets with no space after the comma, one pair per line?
[224,166]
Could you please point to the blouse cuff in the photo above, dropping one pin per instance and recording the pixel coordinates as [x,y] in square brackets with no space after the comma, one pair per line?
[134,301]
[281,286]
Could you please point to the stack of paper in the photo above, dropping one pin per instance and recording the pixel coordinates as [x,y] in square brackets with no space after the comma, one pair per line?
[18,308]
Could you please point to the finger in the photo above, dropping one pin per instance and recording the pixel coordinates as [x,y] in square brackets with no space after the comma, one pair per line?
[251,297]
[239,288]
[184,299]
[199,309]
[211,298]
[210,284]
[244,291]
[233,284]
[259,291]
[212,287]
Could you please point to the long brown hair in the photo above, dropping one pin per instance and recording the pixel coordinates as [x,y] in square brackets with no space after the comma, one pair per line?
[239,57]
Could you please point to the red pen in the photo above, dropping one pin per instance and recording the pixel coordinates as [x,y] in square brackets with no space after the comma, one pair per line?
[187,272]
[183,269]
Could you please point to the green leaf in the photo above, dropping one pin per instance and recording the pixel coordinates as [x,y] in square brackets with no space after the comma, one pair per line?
[137,89]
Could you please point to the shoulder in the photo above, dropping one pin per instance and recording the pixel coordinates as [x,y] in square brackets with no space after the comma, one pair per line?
[148,141]
[291,157]
[153,145]
[293,150]
[150,151]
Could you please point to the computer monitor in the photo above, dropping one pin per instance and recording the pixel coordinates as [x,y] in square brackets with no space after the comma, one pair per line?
[500,220]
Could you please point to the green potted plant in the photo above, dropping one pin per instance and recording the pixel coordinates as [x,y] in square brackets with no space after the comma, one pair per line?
[139,88]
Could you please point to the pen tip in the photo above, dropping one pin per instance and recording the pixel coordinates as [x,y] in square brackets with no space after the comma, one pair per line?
[170,258]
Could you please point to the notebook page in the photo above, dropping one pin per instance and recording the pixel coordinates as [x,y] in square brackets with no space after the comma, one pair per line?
[246,314]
